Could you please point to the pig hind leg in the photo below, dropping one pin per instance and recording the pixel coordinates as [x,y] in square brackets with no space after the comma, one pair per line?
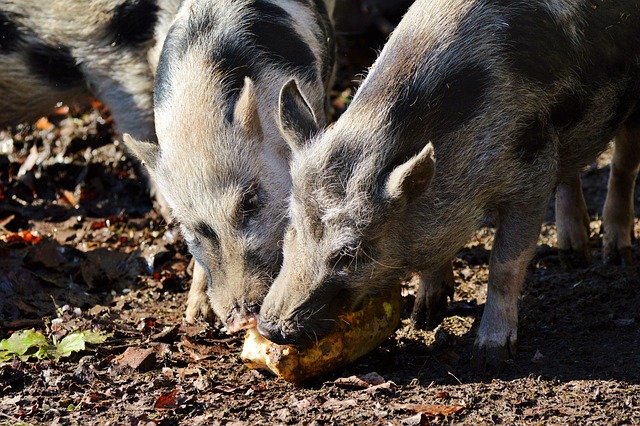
[434,290]
[572,222]
[514,246]
[618,216]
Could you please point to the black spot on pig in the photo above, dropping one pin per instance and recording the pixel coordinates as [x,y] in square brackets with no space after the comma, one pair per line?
[533,140]
[9,34]
[133,22]
[234,62]
[56,65]
[536,45]
[175,45]
[432,108]
[254,262]
[568,110]
[271,27]
[329,55]
[162,81]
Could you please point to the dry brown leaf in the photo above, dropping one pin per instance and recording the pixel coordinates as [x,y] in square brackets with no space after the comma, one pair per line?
[138,358]
[431,410]
[362,381]
[43,123]
[199,351]
[167,401]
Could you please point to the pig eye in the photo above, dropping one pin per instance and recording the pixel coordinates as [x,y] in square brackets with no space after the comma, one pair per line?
[207,232]
[343,259]
[349,259]
[250,204]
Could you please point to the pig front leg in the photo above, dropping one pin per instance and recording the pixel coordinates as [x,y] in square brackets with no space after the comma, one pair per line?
[618,213]
[572,223]
[198,302]
[434,290]
[514,246]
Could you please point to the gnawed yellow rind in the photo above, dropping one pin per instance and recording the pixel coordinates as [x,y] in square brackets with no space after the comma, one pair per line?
[356,334]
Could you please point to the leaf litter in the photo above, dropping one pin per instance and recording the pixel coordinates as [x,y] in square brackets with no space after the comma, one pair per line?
[82,248]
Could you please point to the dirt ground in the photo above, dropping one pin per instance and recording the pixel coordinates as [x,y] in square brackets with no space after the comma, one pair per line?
[81,248]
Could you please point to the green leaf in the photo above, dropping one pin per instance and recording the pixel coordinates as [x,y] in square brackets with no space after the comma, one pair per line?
[20,342]
[28,343]
[96,337]
[75,342]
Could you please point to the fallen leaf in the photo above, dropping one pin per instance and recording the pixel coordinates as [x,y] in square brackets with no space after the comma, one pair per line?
[21,342]
[43,123]
[200,351]
[76,341]
[339,404]
[167,401]
[360,382]
[431,410]
[138,358]
[386,386]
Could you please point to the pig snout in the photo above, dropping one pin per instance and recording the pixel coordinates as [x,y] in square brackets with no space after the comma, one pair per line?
[242,316]
[274,331]
[296,320]
[295,331]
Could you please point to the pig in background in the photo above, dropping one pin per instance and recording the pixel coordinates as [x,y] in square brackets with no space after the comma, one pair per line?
[473,108]
[221,161]
[66,50]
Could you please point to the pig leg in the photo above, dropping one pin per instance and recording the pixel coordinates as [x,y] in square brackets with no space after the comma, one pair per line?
[572,222]
[515,243]
[198,302]
[431,303]
[618,213]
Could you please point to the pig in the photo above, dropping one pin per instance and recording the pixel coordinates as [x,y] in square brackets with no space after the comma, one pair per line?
[472,109]
[66,50]
[221,160]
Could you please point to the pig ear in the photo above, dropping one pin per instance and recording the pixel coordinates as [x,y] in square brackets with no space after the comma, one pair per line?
[412,177]
[147,152]
[296,118]
[245,112]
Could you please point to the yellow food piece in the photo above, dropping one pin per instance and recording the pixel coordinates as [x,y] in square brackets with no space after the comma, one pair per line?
[356,334]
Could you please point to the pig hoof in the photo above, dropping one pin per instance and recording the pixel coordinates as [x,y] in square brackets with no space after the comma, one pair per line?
[614,256]
[198,308]
[571,259]
[490,360]
[429,317]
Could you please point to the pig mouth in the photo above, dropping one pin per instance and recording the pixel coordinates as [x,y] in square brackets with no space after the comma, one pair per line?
[303,327]
[242,317]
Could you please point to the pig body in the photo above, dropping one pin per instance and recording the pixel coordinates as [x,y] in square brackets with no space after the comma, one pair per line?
[221,161]
[473,108]
[65,50]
